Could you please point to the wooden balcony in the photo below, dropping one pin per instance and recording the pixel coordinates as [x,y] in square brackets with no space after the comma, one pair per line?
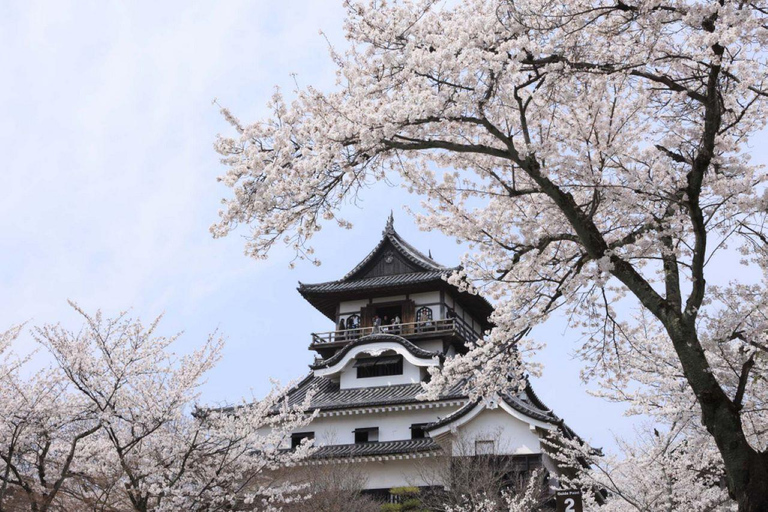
[449,327]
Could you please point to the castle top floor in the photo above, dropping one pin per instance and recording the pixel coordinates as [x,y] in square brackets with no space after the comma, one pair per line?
[396,289]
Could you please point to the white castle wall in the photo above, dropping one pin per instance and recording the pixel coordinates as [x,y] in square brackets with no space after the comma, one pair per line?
[511,435]
[393,426]
[352,306]
[400,473]
[391,298]
[426,298]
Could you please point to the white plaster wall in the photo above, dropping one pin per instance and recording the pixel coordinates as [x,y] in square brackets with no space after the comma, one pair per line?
[393,426]
[425,297]
[393,298]
[400,473]
[459,311]
[411,374]
[431,345]
[512,435]
[549,464]
[352,306]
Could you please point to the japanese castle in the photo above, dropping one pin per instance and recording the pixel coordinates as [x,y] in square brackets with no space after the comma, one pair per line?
[395,316]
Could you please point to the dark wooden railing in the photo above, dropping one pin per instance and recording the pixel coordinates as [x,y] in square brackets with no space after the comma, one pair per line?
[414,329]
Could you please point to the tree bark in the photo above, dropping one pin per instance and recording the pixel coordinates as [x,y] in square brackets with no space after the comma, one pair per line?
[746,468]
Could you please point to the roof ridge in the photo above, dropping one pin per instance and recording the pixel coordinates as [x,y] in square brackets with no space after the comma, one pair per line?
[534,398]
[414,254]
[340,281]
[406,249]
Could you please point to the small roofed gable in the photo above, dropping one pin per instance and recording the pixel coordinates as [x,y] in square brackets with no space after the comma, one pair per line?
[392,256]
[386,261]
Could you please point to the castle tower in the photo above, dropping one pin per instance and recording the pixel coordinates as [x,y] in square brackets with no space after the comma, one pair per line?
[393,317]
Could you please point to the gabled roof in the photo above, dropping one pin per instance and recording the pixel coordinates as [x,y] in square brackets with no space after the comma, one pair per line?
[374,282]
[404,265]
[393,266]
[521,402]
[406,250]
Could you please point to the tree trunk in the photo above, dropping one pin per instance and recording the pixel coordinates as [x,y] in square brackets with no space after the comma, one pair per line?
[746,468]
[754,496]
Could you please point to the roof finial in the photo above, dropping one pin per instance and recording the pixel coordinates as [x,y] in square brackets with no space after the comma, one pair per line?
[390,228]
[430,253]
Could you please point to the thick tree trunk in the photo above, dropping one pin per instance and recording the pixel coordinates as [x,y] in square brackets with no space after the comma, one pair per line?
[746,468]
[754,497]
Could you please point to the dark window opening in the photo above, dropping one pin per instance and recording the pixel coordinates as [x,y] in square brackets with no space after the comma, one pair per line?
[417,431]
[389,314]
[366,435]
[298,437]
[379,366]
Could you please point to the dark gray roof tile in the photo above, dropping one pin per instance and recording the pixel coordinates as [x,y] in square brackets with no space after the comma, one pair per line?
[407,250]
[328,395]
[407,446]
[374,282]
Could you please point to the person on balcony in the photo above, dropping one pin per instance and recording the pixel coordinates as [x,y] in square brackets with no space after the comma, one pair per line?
[376,324]
[353,326]
[341,333]
[395,325]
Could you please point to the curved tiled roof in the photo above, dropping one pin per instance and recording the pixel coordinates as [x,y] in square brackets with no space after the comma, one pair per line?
[429,269]
[453,416]
[329,396]
[375,282]
[406,446]
[419,273]
[373,338]
[407,250]
[523,404]
[526,403]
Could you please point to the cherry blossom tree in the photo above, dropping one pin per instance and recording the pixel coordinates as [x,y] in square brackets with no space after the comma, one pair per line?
[44,433]
[459,479]
[526,498]
[115,424]
[594,155]
[676,469]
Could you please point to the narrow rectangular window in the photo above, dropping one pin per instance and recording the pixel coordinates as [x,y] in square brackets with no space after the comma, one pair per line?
[484,447]
[379,366]
[366,435]
[417,431]
[298,437]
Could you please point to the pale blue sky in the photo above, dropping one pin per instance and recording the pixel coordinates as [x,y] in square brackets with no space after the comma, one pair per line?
[107,184]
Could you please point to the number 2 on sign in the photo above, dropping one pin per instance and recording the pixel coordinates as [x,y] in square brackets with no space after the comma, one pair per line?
[569,504]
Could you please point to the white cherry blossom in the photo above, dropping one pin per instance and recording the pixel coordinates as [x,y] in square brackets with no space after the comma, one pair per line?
[593,154]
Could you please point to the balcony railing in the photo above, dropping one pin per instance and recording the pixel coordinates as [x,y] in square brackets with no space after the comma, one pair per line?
[448,326]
